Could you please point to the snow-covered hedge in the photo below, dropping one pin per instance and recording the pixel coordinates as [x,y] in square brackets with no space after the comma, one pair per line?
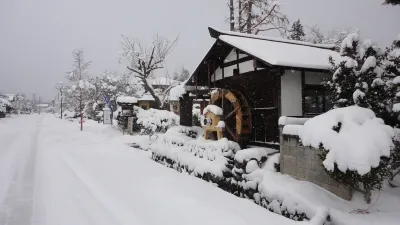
[156,120]
[251,180]
[355,146]
[185,149]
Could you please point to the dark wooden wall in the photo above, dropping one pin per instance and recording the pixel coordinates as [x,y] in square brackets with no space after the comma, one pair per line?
[262,91]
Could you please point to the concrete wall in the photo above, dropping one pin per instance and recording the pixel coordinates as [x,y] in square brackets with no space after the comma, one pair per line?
[291,99]
[303,163]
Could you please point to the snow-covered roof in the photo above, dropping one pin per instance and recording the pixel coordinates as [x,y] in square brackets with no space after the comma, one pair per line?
[283,53]
[146,97]
[126,99]
[215,33]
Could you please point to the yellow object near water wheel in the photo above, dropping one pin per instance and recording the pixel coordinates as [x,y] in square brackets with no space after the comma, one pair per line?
[236,114]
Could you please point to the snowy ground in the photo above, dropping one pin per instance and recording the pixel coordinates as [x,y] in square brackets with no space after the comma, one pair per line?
[50,173]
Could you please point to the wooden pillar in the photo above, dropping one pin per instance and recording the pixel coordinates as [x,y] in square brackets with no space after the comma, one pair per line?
[185,108]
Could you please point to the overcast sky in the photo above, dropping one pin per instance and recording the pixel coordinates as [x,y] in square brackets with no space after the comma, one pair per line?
[38,36]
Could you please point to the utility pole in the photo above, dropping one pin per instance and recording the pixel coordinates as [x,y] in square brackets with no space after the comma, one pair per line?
[231,15]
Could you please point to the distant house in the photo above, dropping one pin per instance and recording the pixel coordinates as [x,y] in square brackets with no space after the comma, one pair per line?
[257,80]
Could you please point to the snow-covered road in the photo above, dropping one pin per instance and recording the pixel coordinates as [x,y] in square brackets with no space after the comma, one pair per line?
[52,174]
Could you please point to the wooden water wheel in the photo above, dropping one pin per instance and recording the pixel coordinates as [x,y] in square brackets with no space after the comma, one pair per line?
[237,115]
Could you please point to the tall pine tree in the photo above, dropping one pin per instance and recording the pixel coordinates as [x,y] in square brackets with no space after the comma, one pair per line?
[297,31]
[359,79]
[344,78]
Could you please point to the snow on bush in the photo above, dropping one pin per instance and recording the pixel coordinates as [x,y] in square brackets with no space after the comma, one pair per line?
[3,105]
[213,109]
[253,153]
[355,138]
[156,120]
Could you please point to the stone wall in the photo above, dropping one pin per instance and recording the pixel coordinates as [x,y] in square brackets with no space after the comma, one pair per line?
[303,163]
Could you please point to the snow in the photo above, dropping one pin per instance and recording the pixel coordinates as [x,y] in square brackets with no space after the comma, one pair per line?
[395,53]
[252,166]
[253,153]
[316,202]
[370,62]
[396,107]
[396,80]
[266,38]
[92,177]
[97,179]
[284,120]
[127,99]
[146,97]
[362,140]
[292,129]
[283,53]
[161,119]
[348,42]
[177,92]
[213,109]
[377,82]
[358,95]
[221,124]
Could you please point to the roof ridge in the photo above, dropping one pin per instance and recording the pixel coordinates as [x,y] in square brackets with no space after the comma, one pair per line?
[215,33]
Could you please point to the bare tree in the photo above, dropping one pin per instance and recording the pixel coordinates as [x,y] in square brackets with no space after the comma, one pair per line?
[255,16]
[334,36]
[81,89]
[144,60]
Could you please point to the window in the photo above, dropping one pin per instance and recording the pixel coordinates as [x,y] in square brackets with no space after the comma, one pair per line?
[316,100]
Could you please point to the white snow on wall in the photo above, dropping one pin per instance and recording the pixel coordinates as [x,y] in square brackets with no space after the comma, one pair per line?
[232,56]
[291,96]
[228,71]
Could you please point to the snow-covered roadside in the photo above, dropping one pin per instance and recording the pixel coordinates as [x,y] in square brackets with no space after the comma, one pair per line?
[93,177]
[311,199]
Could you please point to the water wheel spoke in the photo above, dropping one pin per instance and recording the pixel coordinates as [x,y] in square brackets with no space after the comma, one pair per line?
[231,132]
[231,113]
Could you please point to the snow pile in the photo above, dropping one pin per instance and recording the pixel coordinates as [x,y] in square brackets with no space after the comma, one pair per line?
[213,109]
[284,120]
[354,137]
[221,124]
[158,120]
[370,62]
[292,129]
[176,92]
[396,80]
[126,100]
[253,153]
